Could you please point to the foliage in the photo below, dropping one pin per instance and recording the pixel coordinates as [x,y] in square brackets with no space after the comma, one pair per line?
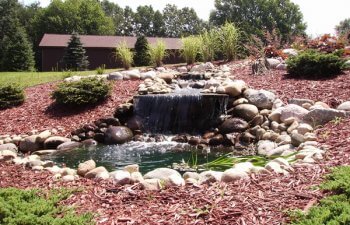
[209,44]
[254,16]
[74,57]
[271,52]
[125,55]
[141,56]
[15,50]
[157,53]
[101,69]
[343,29]
[11,95]
[326,43]
[190,48]
[83,92]
[314,64]
[31,207]
[229,36]
[334,209]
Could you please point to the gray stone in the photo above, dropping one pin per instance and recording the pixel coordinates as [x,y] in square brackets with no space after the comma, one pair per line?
[281,66]
[121,177]
[273,63]
[344,106]
[292,110]
[290,52]
[260,98]
[69,146]
[115,76]
[322,116]
[279,150]
[118,135]
[265,146]
[297,139]
[29,144]
[246,111]
[233,125]
[300,101]
[55,141]
[168,176]
[9,146]
[210,176]
[232,175]
[43,136]
[94,172]
[85,167]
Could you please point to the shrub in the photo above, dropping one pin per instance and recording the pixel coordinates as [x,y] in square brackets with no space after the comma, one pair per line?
[101,69]
[229,41]
[29,207]
[74,57]
[125,55]
[190,48]
[11,95]
[157,53]
[141,57]
[83,92]
[315,64]
[209,45]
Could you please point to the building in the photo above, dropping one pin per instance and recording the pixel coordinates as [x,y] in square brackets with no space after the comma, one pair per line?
[99,49]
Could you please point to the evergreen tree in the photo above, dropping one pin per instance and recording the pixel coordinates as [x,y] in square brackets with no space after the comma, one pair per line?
[141,57]
[74,57]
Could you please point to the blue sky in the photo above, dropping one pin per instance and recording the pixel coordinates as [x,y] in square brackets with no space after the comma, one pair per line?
[321,16]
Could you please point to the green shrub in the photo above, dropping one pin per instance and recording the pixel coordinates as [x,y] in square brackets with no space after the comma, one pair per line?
[314,64]
[11,95]
[229,39]
[190,48]
[157,53]
[29,207]
[141,57]
[101,69]
[125,55]
[209,44]
[83,92]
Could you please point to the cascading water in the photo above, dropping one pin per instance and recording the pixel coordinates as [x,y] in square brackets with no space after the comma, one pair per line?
[179,112]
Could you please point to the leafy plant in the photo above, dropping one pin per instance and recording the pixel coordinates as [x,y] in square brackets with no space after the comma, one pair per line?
[11,95]
[101,69]
[31,207]
[157,53]
[83,92]
[190,48]
[209,44]
[229,40]
[125,55]
[314,64]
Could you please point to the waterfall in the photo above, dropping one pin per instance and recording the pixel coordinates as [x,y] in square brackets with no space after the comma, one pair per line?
[179,113]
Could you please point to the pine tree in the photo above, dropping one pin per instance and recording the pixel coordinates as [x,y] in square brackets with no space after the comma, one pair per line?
[141,57]
[74,57]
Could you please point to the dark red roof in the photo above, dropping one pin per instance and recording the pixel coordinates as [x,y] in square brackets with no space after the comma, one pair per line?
[95,41]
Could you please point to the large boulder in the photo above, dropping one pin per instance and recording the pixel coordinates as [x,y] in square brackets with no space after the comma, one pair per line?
[118,135]
[344,106]
[169,176]
[233,125]
[131,74]
[321,116]
[29,144]
[294,111]
[260,98]
[115,76]
[55,141]
[246,111]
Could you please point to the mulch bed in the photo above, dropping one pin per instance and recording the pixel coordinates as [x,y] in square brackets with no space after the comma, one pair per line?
[264,199]
[39,113]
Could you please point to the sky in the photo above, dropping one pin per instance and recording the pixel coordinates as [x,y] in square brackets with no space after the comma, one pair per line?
[321,16]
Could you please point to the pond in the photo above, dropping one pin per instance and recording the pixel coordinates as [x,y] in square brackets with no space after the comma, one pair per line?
[148,156]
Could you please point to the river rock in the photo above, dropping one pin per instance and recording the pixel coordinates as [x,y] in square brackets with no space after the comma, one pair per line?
[210,176]
[167,77]
[216,140]
[7,155]
[300,101]
[169,176]
[232,175]
[69,146]
[85,167]
[279,150]
[281,66]
[191,175]
[136,177]
[284,139]
[344,106]
[54,142]
[68,178]
[297,139]
[233,125]
[246,111]
[29,144]
[320,116]
[94,172]
[115,76]
[290,51]
[9,146]
[275,167]
[244,166]
[272,63]
[148,75]
[182,69]
[260,98]
[118,135]
[151,184]
[292,110]
[265,146]
[121,177]
[132,168]
[43,136]
[304,128]
[131,74]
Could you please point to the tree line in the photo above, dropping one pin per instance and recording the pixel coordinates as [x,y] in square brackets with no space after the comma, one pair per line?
[23,26]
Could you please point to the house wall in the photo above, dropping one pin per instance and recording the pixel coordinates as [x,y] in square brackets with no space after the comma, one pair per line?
[52,58]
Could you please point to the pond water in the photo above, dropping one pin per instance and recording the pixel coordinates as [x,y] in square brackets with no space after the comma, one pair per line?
[148,156]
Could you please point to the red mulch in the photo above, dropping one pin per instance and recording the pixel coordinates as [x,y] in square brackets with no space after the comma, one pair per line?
[38,111]
[262,200]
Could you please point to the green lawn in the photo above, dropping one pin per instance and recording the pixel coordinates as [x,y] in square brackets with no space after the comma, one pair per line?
[28,79]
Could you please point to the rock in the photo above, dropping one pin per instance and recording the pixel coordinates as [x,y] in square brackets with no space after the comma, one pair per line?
[29,144]
[169,176]
[279,150]
[37,168]
[68,178]
[257,121]
[344,106]
[148,75]
[245,111]
[272,63]
[121,177]
[198,68]
[192,175]
[55,141]
[290,52]
[304,128]
[85,167]
[182,69]
[322,116]
[284,140]
[43,136]
[9,146]
[69,146]
[275,115]
[132,168]
[239,101]
[278,103]
[32,163]
[68,171]
[167,77]
[131,74]
[292,110]
[94,172]
[54,169]
[151,184]
[232,175]
[292,127]
[44,152]
[265,146]
[115,76]
[234,88]
[275,167]
[7,155]
[136,177]
[297,139]
[260,98]
[233,125]
[244,166]
[210,176]
[320,105]
[283,163]
[102,176]
[281,66]
[217,140]
[300,101]
[118,135]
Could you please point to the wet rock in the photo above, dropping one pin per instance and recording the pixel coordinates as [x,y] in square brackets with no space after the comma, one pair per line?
[118,135]
[69,146]
[99,137]
[180,139]
[54,142]
[245,111]
[124,111]
[134,123]
[85,167]
[260,98]
[233,125]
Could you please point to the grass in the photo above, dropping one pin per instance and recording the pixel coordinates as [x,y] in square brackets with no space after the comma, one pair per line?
[36,207]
